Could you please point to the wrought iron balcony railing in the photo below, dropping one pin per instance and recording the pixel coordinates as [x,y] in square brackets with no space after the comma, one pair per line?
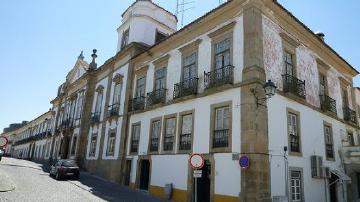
[294,85]
[95,117]
[185,88]
[168,143]
[113,110]
[349,115]
[134,146]
[137,103]
[154,144]
[221,138]
[185,142]
[156,97]
[67,123]
[219,77]
[328,104]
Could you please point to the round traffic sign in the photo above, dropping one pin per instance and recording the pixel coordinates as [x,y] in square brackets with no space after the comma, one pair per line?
[244,162]
[3,141]
[196,161]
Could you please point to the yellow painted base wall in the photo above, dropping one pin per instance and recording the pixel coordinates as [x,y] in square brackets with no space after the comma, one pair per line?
[179,195]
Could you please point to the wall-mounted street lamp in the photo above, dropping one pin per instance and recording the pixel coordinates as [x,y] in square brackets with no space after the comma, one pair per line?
[269,88]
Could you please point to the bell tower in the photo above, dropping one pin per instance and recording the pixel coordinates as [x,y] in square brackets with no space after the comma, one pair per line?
[145,22]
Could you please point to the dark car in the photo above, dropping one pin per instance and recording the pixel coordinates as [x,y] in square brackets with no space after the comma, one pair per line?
[65,169]
[1,153]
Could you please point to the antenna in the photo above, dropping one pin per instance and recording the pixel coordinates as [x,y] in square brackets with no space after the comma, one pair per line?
[181,7]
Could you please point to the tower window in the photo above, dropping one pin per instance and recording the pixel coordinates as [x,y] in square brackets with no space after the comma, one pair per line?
[125,39]
[160,36]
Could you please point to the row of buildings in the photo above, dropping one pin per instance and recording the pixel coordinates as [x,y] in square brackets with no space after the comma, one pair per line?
[169,93]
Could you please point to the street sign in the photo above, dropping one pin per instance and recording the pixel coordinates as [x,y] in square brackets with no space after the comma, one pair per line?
[244,162]
[3,141]
[197,173]
[196,161]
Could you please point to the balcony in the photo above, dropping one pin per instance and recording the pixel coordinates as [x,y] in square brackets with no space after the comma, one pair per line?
[221,138]
[95,117]
[137,103]
[113,110]
[185,88]
[349,115]
[351,154]
[293,85]
[156,97]
[328,104]
[134,146]
[219,77]
[67,124]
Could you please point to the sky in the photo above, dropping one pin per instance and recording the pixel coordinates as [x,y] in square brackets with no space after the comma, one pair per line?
[40,41]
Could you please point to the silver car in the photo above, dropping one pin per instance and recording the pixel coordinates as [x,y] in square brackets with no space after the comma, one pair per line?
[64,168]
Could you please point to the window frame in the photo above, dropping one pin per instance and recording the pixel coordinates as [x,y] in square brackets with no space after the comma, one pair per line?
[138,124]
[157,119]
[125,41]
[213,109]
[298,118]
[180,122]
[73,146]
[225,32]
[331,136]
[171,116]
[299,170]
[94,136]
[109,136]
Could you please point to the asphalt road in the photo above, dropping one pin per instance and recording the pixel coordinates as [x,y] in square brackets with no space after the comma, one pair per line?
[33,184]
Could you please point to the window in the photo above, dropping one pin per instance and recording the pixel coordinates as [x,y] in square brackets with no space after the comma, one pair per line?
[140,87]
[125,39]
[155,135]
[160,37]
[189,68]
[222,54]
[289,65]
[323,84]
[99,99]
[72,108]
[351,139]
[135,137]
[93,142]
[329,142]
[79,105]
[186,132]
[295,186]
[345,98]
[222,127]
[73,146]
[293,132]
[170,125]
[160,78]
[111,143]
[117,93]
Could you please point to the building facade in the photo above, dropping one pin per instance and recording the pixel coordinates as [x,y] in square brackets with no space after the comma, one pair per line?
[168,94]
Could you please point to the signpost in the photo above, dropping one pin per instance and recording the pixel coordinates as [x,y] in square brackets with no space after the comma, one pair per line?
[196,162]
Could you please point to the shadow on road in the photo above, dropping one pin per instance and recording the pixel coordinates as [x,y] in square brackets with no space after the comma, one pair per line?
[98,186]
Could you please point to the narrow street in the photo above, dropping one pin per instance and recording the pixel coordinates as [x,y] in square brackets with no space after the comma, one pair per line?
[32,183]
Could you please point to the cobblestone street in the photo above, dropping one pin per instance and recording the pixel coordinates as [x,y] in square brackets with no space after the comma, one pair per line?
[31,183]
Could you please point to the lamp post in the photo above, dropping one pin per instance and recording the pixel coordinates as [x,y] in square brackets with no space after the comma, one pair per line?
[269,89]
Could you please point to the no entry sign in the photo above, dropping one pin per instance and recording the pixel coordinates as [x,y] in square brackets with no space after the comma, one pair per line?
[3,141]
[196,161]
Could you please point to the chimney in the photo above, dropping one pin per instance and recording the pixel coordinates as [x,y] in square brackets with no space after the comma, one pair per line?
[320,35]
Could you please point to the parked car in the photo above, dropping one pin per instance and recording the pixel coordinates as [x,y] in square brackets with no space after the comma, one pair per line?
[65,168]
